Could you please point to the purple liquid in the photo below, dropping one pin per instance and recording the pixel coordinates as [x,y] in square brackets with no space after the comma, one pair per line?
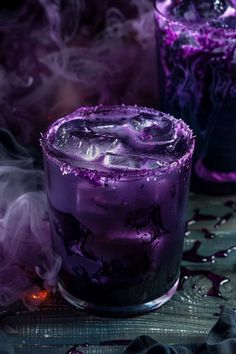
[220,220]
[216,280]
[198,216]
[196,61]
[223,219]
[192,254]
[231,204]
[208,234]
[117,183]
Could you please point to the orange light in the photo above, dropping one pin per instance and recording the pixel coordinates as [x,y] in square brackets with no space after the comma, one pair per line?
[41,295]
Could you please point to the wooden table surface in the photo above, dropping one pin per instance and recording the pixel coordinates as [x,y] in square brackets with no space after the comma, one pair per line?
[56,326]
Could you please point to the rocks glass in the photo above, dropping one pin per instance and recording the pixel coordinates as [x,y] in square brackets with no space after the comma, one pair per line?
[117,183]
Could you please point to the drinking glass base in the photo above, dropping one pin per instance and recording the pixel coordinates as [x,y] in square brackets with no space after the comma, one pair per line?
[118,311]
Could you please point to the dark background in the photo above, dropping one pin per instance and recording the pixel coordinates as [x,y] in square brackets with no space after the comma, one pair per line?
[56,55]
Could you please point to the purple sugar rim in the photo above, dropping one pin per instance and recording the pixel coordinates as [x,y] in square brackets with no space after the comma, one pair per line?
[68,168]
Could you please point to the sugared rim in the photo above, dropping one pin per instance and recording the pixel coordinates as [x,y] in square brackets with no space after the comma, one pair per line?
[68,168]
[193,26]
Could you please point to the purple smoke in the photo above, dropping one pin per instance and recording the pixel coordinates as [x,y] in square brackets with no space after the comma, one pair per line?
[27,260]
[58,55]
[55,56]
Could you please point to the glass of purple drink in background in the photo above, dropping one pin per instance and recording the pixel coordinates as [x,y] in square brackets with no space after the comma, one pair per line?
[196,50]
[117,183]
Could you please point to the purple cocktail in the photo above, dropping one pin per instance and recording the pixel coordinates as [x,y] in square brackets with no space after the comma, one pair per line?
[197,76]
[117,184]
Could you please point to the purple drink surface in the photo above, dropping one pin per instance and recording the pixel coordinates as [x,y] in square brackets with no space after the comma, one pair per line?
[118,141]
[117,183]
[196,60]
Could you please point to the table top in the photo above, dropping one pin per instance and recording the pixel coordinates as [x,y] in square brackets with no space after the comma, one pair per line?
[208,281]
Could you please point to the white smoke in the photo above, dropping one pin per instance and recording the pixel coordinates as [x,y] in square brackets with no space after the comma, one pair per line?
[26,253]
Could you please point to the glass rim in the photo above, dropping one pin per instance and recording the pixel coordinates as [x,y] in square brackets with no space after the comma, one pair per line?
[67,167]
[191,25]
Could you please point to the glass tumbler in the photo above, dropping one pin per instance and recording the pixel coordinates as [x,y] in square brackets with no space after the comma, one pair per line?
[196,53]
[117,181]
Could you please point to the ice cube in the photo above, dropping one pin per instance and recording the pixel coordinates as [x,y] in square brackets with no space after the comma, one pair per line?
[185,10]
[162,132]
[102,145]
[144,141]
[119,161]
[85,145]
[78,147]
[132,162]
[107,128]
[156,163]
[124,162]
[195,11]
[143,120]
[68,130]
[152,130]
[211,9]
[84,149]
[178,148]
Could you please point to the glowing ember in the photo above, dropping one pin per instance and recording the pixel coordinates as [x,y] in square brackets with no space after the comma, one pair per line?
[41,295]
[33,298]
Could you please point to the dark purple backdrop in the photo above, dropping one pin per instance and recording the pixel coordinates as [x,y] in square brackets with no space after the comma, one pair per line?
[60,54]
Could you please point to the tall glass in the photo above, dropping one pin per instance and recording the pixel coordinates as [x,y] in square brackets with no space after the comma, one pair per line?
[196,48]
[117,184]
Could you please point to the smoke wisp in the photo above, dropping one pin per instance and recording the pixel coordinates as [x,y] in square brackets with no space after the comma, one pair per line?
[60,54]
[55,56]
[27,261]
